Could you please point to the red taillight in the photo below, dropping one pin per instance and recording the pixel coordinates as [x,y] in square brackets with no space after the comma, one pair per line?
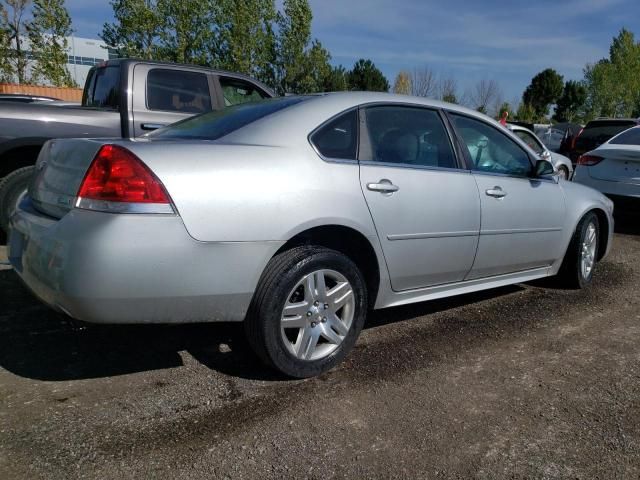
[117,175]
[589,160]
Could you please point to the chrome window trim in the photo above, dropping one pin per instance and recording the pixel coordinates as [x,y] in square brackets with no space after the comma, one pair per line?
[518,177]
[123,207]
[414,167]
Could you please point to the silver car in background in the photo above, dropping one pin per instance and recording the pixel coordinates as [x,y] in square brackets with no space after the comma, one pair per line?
[561,164]
[297,216]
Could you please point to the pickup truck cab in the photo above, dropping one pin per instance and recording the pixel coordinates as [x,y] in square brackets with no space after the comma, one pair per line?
[122,98]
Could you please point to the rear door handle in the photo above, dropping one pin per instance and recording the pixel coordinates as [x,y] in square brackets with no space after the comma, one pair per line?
[383,186]
[152,126]
[496,192]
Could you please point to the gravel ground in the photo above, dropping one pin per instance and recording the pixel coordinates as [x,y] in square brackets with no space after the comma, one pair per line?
[521,382]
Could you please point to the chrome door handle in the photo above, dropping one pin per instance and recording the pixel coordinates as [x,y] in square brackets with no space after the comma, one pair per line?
[496,192]
[152,126]
[383,186]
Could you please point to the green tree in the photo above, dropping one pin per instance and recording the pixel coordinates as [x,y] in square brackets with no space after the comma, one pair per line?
[247,39]
[571,104]
[402,84]
[186,33]
[526,113]
[6,70]
[545,88]
[613,84]
[48,30]
[300,66]
[15,21]
[336,80]
[136,29]
[366,76]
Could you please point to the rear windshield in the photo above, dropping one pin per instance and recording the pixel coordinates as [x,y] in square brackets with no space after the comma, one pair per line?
[596,133]
[103,88]
[630,137]
[215,125]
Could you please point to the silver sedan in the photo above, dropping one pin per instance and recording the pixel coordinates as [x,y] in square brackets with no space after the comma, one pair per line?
[297,216]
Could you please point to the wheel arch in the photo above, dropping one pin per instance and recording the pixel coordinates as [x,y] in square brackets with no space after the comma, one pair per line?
[351,243]
[19,153]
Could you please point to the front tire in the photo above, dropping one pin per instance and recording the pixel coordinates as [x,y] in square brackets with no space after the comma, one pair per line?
[307,312]
[580,260]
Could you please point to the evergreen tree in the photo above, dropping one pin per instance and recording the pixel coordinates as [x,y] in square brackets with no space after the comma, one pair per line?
[545,88]
[571,103]
[366,76]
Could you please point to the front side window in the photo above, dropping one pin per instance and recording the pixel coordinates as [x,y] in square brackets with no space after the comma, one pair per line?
[338,138]
[408,136]
[629,137]
[237,91]
[178,91]
[530,140]
[491,150]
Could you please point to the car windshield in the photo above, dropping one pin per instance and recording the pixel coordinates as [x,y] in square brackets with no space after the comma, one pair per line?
[217,124]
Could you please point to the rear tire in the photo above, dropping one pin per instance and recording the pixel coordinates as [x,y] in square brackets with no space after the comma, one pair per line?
[307,312]
[11,187]
[580,260]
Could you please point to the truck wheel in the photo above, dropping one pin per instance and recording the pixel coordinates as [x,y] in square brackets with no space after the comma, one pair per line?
[11,187]
[307,311]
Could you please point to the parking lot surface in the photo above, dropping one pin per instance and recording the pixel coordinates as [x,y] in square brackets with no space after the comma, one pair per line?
[525,381]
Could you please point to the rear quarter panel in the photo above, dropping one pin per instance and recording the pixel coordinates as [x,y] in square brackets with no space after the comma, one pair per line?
[237,193]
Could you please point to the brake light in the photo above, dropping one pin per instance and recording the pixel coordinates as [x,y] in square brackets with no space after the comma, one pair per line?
[117,175]
[589,160]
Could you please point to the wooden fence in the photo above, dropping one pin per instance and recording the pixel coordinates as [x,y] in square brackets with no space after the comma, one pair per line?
[61,93]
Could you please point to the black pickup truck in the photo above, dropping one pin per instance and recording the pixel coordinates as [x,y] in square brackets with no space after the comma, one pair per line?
[122,98]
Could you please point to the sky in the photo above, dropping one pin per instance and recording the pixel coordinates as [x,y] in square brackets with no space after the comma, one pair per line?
[509,41]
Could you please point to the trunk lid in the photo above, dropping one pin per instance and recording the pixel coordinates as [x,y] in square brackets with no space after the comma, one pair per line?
[60,169]
[619,165]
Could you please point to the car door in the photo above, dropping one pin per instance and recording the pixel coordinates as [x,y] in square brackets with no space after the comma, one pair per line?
[522,217]
[164,95]
[426,209]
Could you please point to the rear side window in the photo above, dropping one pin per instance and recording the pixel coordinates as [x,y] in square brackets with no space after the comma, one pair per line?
[103,88]
[338,138]
[630,137]
[217,124]
[408,136]
[237,91]
[178,91]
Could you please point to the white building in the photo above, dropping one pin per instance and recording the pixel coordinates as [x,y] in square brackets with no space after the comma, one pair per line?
[83,53]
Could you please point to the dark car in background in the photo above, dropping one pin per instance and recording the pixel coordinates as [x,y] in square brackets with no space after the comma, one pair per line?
[597,132]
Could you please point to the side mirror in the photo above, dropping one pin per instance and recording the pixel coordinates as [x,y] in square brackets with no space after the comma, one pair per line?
[546,155]
[543,168]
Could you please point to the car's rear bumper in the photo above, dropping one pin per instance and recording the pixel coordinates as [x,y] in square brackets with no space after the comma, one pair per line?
[610,188]
[115,268]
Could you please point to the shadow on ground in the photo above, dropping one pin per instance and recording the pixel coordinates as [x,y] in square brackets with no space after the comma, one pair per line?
[38,343]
